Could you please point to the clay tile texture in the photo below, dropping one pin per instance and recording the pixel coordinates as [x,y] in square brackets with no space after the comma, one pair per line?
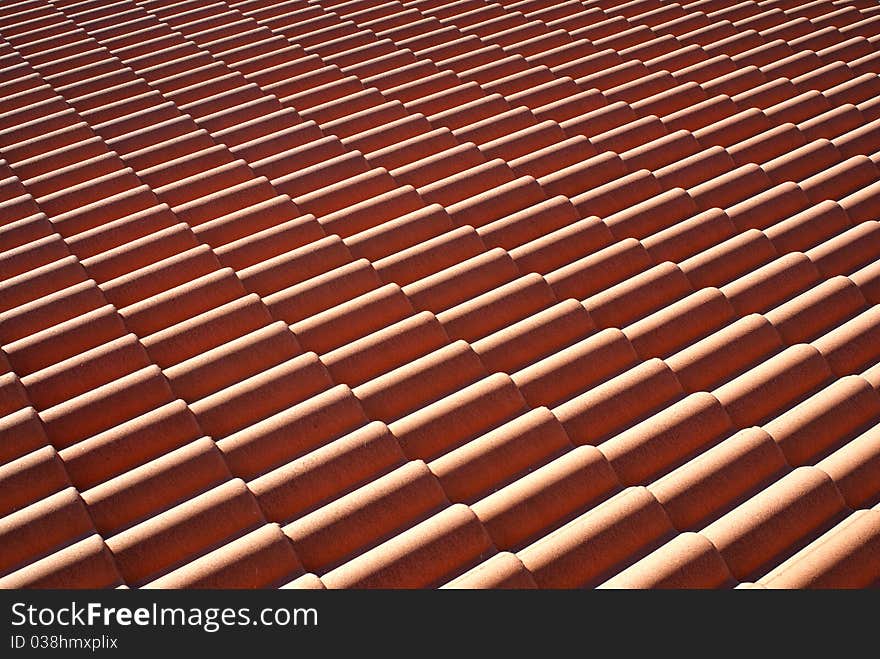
[439,294]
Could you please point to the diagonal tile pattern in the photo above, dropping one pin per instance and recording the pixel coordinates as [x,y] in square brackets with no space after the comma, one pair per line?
[420,293]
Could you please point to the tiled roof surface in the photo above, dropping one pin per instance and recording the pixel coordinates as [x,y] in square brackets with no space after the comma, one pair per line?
[420,293]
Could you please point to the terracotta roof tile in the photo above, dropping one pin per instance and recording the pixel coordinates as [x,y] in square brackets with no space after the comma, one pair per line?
[546,496]
[331,470]
[851,467]
[567,372]
[560,247]
[817,310]
[30,478]
[772,283]
[793,509]
[153,487]
[824,421]
[157,544]
[103,407]
[534,337]
[847,251]
[686,561]
[125,446]
[638,296]
[611,535]
[264,443]
[426,555]
[503,570]
[809,227]
[43,527]
[84,564]
[779,381]
[361,518]
[666,439]
[261,558]
[231,362]
[850,347]
[867,281]
[845,557]
[619,402]
[430,256]
[693,317]
[500,455]
[595,272]
[238,239]
[88,370]
[187,338]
